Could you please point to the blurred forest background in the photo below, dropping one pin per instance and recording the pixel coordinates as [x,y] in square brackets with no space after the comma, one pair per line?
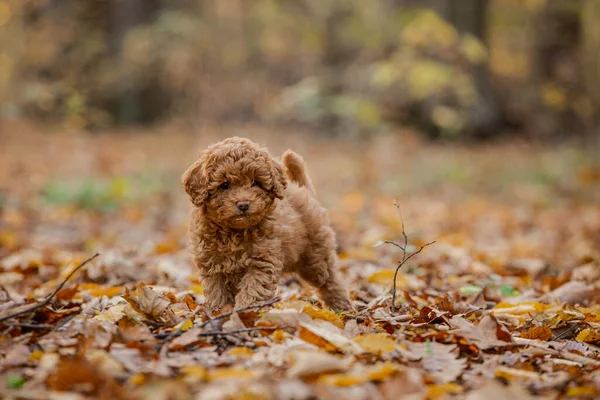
[351,68]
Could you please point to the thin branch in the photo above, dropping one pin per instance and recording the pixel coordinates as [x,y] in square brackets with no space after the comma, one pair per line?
[51,296]
[404,260]
[252,307]
[243,330]
[31,325]
[564,354]
[403,231]
[404,256]
[394,244]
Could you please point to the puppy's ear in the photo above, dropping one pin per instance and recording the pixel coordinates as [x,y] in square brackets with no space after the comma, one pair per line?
[195,185]
[279,180]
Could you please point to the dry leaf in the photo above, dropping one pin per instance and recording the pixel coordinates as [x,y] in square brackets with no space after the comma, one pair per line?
[311,363]
[147,302]
[376,342]
[588,335]
[488,334]
[329,338]
[537,332]
[325,315]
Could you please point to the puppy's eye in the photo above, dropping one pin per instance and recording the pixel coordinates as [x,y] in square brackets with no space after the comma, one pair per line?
[256,184]
[224,186]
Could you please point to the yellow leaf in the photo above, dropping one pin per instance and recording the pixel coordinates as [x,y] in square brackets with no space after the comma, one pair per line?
[187,325]
[376,342]
[473,49]
[386,277]
[240,352]
[166,247]
[435,391]
[100,290]
[554,96]
[198,289]
[230,373]
[510,373]
[8,240]
[310,337]
[112,314]
[325,315]
[520,308]
[195,372]
[137,379]
[279,336]
[341,380]
[36,355]
[588,335]
[382,372]
[582,391]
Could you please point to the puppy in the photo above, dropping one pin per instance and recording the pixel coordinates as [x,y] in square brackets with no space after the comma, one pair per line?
[251,223]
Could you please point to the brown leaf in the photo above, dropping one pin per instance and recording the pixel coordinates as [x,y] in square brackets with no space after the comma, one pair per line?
[147,302]
[439,359]
[67,294]
[17,355]
[537,332]
[73,374]
[132,332]
[487,335]
[572,292]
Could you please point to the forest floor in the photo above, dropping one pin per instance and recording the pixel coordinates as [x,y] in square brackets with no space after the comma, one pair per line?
[504,303]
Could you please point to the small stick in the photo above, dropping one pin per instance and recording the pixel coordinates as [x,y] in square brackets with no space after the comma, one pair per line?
[234,332]
[51,296]
[404,257]
[255,306]
[30,325]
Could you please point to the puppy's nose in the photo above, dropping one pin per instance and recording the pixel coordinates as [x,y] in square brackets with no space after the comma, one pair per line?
[243,205]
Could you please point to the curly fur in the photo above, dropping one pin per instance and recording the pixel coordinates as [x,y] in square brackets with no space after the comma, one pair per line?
[242,254]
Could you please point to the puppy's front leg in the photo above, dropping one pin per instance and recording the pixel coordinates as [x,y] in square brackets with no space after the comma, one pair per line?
[216,292]
[258,283]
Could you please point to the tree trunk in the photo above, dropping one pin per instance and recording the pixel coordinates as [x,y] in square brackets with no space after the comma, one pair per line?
[590,15]
[470,17]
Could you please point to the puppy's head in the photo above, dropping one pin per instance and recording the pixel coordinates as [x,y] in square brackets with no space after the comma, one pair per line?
[235,183]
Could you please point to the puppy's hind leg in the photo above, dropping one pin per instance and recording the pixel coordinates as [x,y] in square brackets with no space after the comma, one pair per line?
[320,271]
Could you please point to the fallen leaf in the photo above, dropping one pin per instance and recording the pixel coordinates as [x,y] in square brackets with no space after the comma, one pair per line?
[223,374]
[439,359]
[537,332]
[383,371]
[487,335]
[311,363]
[328,338]
[325,315]
[243,352]
[588,335]
[436,391]
[376,342]
[147,302]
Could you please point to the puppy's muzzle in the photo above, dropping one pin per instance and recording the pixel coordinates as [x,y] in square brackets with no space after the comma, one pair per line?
[243,205]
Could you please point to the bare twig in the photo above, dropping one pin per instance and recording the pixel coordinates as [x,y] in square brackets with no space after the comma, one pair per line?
[405,258]
[243,330]
[252,307]
[564,354]
[31,325]
[51,296]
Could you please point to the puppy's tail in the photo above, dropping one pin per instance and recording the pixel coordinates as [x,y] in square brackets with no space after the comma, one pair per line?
[296,170]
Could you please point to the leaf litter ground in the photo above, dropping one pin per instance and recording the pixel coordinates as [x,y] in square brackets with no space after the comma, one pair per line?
[505,303]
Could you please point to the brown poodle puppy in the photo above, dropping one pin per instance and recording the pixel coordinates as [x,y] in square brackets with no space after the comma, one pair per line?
[250,224]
